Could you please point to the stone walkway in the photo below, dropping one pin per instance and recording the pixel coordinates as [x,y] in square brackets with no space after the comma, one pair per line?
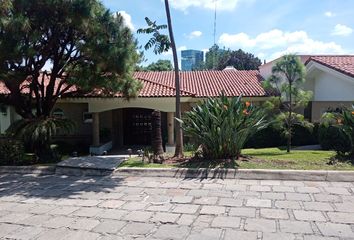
[55,207]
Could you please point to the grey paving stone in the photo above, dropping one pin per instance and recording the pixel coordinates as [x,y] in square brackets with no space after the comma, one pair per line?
[163,217]
[198,193]
[308,190]
[258,188]
[239,188]
[234,234]
[270,182]
[295,226]
[111,204]
[6,228]
[173,232]
[309,215]
[337,190]
[206,200]
[182,199]
[53,234]
[131,206]
[326,197]
[261,225]
[25,233]
[341,217]
[203,221]
[283,189]
[278,236]
[87,212]
[212,210]
[138,228]
[345,207]
[318,206]
[274,213]
[186,219]
[226,222]
[335,230]
[36,220]
[298,196]
[264,203]
[165,207]
[63,210]
[205,234]
[109,226]
[112,213]
[78,235]
[288,204]
[14,217]
[84,224]
[186,208]
[59,222]
[273,195]
[242,212]
[231,202]
[138,216]
[314,237]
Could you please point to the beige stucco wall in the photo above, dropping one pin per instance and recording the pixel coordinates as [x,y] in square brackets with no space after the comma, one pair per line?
[318,108]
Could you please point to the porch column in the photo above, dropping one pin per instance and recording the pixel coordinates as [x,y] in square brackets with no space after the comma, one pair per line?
[95,129]
[170,128]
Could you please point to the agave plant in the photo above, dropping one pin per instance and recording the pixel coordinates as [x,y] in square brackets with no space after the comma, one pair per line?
[223,125]
[38,133]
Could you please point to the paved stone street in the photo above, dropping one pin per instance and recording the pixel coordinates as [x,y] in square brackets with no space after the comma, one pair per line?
[55,207]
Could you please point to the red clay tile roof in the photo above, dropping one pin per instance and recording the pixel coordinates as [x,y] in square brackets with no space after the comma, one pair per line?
[208,83]
[340,63]
[193,84]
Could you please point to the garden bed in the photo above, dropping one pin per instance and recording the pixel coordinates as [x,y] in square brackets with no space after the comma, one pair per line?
[266,158]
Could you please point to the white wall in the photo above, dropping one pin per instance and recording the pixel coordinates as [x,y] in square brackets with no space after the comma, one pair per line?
[5,120]
[328,87]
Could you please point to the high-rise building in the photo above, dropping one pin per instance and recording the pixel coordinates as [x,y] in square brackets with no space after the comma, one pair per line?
[191,59]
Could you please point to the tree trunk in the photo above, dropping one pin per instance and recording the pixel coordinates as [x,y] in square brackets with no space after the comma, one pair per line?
[288,147]
[179,134]
[156,136]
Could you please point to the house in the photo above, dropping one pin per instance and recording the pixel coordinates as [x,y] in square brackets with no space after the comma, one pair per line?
[129,122]
[329,77]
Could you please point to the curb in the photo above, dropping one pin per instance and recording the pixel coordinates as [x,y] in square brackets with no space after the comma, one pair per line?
[255,174]
[77,171]
[39,170]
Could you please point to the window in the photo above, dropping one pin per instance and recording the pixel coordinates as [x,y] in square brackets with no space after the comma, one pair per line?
[58,113]
[87,117]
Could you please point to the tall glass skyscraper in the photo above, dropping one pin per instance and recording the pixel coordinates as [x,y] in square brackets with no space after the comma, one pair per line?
[191,59]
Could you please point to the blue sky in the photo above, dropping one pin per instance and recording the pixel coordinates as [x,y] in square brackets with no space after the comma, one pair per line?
[266,28]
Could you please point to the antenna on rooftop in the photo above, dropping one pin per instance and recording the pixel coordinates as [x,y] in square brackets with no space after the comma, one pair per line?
[214,57]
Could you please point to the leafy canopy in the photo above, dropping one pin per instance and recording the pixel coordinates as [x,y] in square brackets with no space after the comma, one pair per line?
[160,65]
[80,41]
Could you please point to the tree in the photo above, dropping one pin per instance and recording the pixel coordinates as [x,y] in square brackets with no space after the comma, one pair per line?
[163,43]
[288,76]
[160,65]
[156,136]
[218,59]
[83,43]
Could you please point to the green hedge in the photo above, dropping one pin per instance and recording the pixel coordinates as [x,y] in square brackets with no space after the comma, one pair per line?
[333,138]
[12,152]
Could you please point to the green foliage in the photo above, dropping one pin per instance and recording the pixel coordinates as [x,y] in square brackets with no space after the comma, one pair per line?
[288,76]
[337,131]
[218,59]
[222,126]
[12,152]
[38,134]
[160,42]
[84,42]
[160,65]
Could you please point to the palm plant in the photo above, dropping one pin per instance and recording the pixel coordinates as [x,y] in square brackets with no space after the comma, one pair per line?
[223,125]
[163,43]
[38,133]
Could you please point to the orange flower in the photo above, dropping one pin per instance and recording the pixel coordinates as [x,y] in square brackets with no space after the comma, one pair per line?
[248,104]
[353,113]
[339,121]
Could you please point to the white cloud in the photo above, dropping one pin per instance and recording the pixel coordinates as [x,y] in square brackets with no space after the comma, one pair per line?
[181,48]
[194,34]
[342,30]
[208,4]
[277,42]
[329,14]
[127,20]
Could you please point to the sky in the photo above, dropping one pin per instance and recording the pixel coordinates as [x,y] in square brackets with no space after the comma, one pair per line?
[265,28]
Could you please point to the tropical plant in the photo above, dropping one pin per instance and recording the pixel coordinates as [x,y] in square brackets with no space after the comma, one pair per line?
[163,43]
[38,133]
[156,135]
[288,76]
[223,125]
[338,127]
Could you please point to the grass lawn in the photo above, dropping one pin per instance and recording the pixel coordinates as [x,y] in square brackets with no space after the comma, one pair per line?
[266,158]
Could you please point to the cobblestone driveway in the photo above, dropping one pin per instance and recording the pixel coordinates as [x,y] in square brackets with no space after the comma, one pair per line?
[53,207]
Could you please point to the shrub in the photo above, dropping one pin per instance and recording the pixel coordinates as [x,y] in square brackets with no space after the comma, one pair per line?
[337,132]
[11,152]
[267,137]
[223,125]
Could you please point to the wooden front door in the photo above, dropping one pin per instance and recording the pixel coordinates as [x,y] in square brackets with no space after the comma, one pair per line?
[137,126]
